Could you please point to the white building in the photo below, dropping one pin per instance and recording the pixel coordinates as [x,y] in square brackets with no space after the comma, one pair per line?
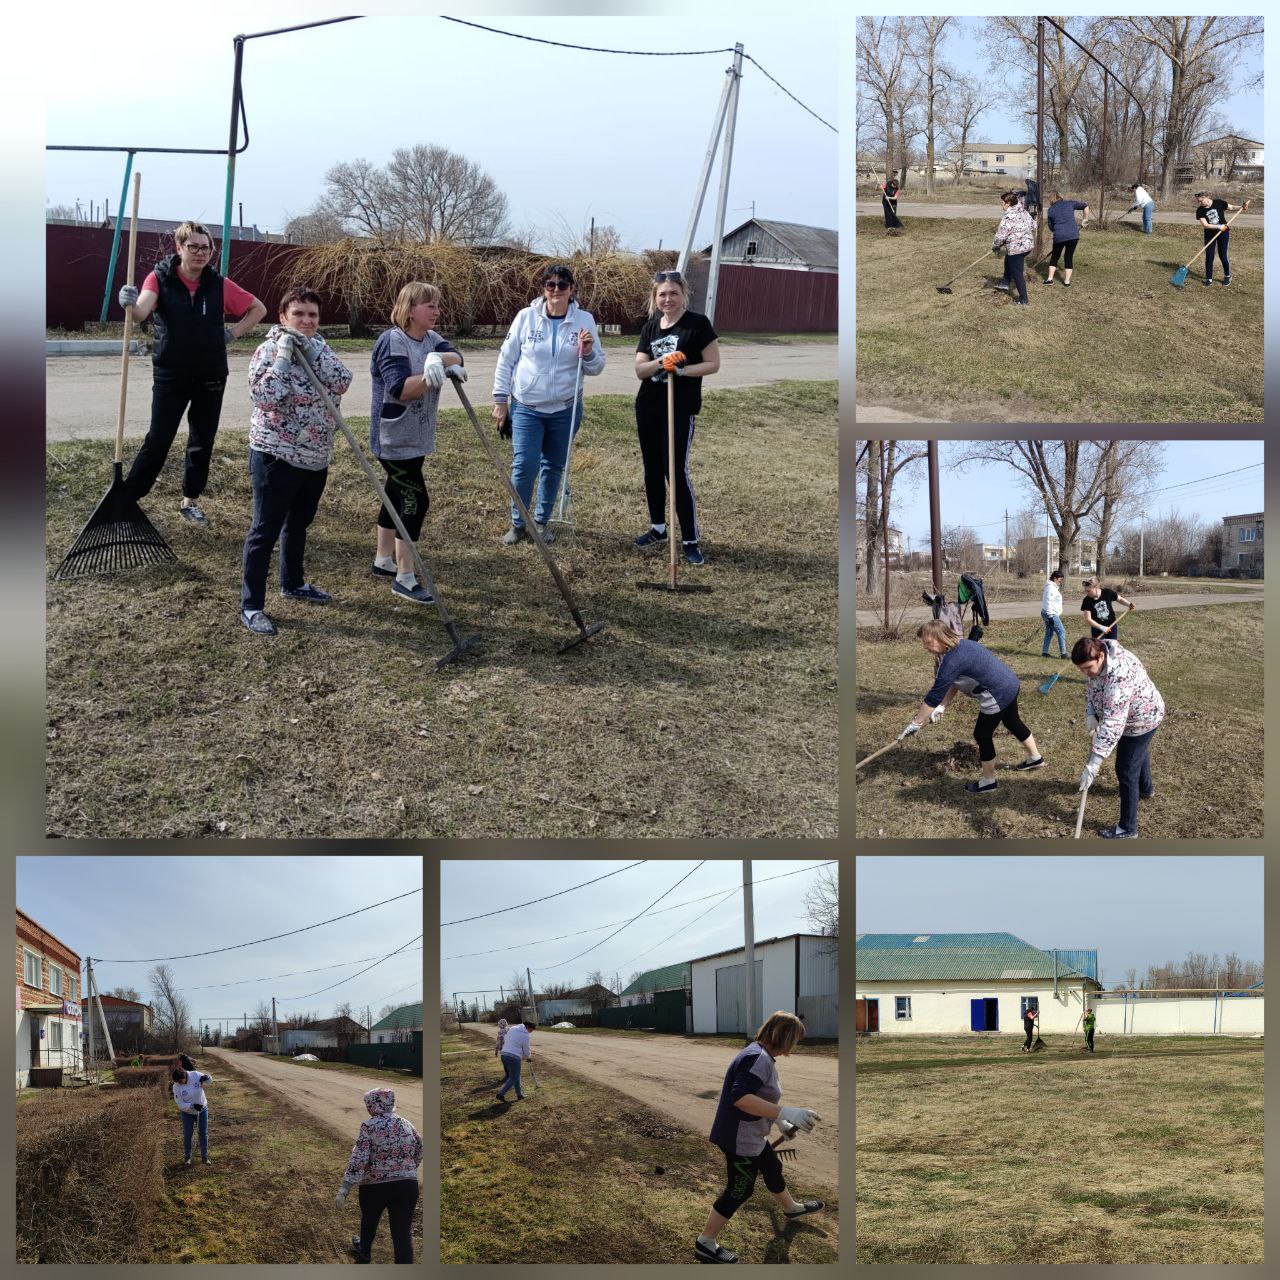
[967,983]
[796,974]
[47,1016]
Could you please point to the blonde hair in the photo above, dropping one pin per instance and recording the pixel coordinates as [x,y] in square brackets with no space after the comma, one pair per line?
[780,1033]
[414,292]
[683,282]
[936,629]
[186,230]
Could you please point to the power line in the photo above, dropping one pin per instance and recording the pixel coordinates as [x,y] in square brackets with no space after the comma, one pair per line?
[213,986]
[274,937]
[723,898]
[533,902]
[633,919]
[790,95]
[354,976]
[688,902]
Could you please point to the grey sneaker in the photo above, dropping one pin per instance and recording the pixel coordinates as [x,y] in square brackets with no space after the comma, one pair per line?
[308,591]
[417,593]
[260,625]
[514,535]
[193,515]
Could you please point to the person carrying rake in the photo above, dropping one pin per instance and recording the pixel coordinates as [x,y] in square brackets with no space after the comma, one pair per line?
[1211,214]
[964,666]
[750,1103]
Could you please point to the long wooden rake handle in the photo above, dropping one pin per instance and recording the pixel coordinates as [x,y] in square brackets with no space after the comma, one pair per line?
[1215,235]
[671,479]
[128,320]
[875,755]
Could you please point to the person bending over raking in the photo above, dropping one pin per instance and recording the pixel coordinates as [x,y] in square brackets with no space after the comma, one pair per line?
[1123,709]
[1098,610]
[1061,216]
[1142,200]
[516,1049]
[188,1093]
[966,667]
[384,1162]
[750,1103]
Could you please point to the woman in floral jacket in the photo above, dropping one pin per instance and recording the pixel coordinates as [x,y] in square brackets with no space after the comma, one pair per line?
[384,1162]
[1123,710]
[1017,233]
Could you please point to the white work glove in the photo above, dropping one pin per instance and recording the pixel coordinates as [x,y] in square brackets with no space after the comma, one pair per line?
[936,714]
[909,730]
[227,336]
[285,346]
[458,372]
[1090,772]
[1090,722]
[433,371]
[801,1117]
[341,1198]
[128,295]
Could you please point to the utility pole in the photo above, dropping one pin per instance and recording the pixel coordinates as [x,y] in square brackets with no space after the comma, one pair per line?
[1006,539]
[1047,570]
[722,199]
[532,1001]
[700,193]
[592,251]
[748,933]
[1142,539]
[87,1010]
[275,1024]
[884,521]
[935,518]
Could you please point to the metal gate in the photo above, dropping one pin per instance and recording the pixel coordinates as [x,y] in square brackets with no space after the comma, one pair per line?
[819,1015]
[731,999]
[668,1011]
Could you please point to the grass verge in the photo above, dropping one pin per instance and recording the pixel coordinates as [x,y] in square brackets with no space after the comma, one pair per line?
[1121,345]
[1148,1151]
[613,1181]
[1206,756]
[268,1196]
[690,715]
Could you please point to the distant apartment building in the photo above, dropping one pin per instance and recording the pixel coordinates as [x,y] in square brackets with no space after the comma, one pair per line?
[896,544]
[1082,556]
[1242,541]
[48,1000]
[979,555]
[1014,159]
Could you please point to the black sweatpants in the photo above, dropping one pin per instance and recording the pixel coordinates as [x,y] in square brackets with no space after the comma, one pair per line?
[984,732]
[285,499]
[407,490]
[1220,246]
[1089,1036]
[741,1179]
[398,1198]
[651,426]
[173,394]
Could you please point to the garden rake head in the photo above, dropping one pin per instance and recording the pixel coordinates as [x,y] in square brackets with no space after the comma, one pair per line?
[1053,679]
[787,1135]
[117,536]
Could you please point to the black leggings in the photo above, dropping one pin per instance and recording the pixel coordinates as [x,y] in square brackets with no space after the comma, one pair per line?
[651,426]
[398,1199]
[408,493]
[741,1179]
[1070,247]
[984,732]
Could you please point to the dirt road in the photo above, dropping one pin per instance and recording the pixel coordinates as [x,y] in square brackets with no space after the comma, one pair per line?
[929,210]
[335,1098]
[82,392]
[682,1079]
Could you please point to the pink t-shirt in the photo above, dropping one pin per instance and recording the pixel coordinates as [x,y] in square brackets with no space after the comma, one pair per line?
[235,300]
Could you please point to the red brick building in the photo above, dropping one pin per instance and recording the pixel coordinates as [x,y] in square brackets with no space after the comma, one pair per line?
[48,999]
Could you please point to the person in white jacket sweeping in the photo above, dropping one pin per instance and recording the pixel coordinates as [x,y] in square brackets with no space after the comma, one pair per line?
[188,1093]
[534,391]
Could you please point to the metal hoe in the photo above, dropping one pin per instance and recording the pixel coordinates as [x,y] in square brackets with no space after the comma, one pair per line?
[584,631]
[460,644]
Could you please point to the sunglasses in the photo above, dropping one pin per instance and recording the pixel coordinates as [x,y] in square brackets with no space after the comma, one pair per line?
[673,276]
[557,285]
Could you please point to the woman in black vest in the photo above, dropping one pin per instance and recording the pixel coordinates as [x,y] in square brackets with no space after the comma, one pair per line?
[189,364]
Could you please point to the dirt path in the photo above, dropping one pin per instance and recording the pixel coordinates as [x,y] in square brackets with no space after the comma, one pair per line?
[81,392]
[1031,609]
[335,1098]
[682,1079]
[924,210]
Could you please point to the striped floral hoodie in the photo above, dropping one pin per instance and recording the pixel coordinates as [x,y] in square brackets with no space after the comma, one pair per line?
[1123,699]
[1017,231]
[388,1149]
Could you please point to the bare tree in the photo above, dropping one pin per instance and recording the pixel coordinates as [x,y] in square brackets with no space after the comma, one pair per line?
[432,193]
[321,226]
[925,51]
[358,197]
[1129,471]
[822,902]
[124,993]
[880,463]
[957,543]
[171,1013]
[967,101]
[882,48]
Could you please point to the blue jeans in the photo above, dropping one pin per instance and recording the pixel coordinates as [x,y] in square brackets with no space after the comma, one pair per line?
[188,1127]
[539,445]
[1053,627]
[1133,773]
[1148,213]
[511,1063]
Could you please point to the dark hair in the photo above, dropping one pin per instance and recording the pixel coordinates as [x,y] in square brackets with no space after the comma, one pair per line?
[299,293]
[1086,649]
[178,1075]
[530,1026]
[557,271]
[1057,573]
[1200,195]
[1009,197]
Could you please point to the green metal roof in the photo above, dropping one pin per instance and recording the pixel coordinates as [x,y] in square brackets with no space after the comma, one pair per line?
[903,957]
[407,1015]
[670,977]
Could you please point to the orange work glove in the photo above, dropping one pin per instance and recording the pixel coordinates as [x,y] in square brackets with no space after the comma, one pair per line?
[673,361]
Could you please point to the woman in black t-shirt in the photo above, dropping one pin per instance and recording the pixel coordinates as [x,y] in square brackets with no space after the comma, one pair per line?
[1098,609]
[681,344]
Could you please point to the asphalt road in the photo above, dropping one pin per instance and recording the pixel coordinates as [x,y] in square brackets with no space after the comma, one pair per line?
[82,392]
[335,1098]
[682,1079]
[991,210]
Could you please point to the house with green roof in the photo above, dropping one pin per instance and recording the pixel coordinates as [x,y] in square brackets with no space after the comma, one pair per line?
[399,1024]
[642,988]
[968,984]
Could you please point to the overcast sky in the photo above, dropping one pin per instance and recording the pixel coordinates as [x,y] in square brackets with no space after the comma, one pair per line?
[977,497]
[1136,912]
[567,135]
[144,908]
[524,937]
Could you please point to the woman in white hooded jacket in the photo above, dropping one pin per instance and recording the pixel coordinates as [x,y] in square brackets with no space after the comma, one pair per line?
[534,389]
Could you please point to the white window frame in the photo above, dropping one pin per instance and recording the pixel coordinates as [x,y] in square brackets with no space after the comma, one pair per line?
[1248,534]
[55,1025]
[55,980]
[1024,1002]
[902,1008]
[999,159]
[28,954]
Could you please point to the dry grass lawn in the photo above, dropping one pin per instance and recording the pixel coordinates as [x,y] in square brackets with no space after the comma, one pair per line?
[1149,1151]
[1206,756]
[578,1173]
[689,716]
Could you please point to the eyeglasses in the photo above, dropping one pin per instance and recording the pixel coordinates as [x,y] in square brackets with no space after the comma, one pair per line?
[673,276]
[198,248]
[557,285]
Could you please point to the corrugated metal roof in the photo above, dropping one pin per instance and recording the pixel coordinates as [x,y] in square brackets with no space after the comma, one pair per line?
[670,977]
[816,246]
[888,957]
